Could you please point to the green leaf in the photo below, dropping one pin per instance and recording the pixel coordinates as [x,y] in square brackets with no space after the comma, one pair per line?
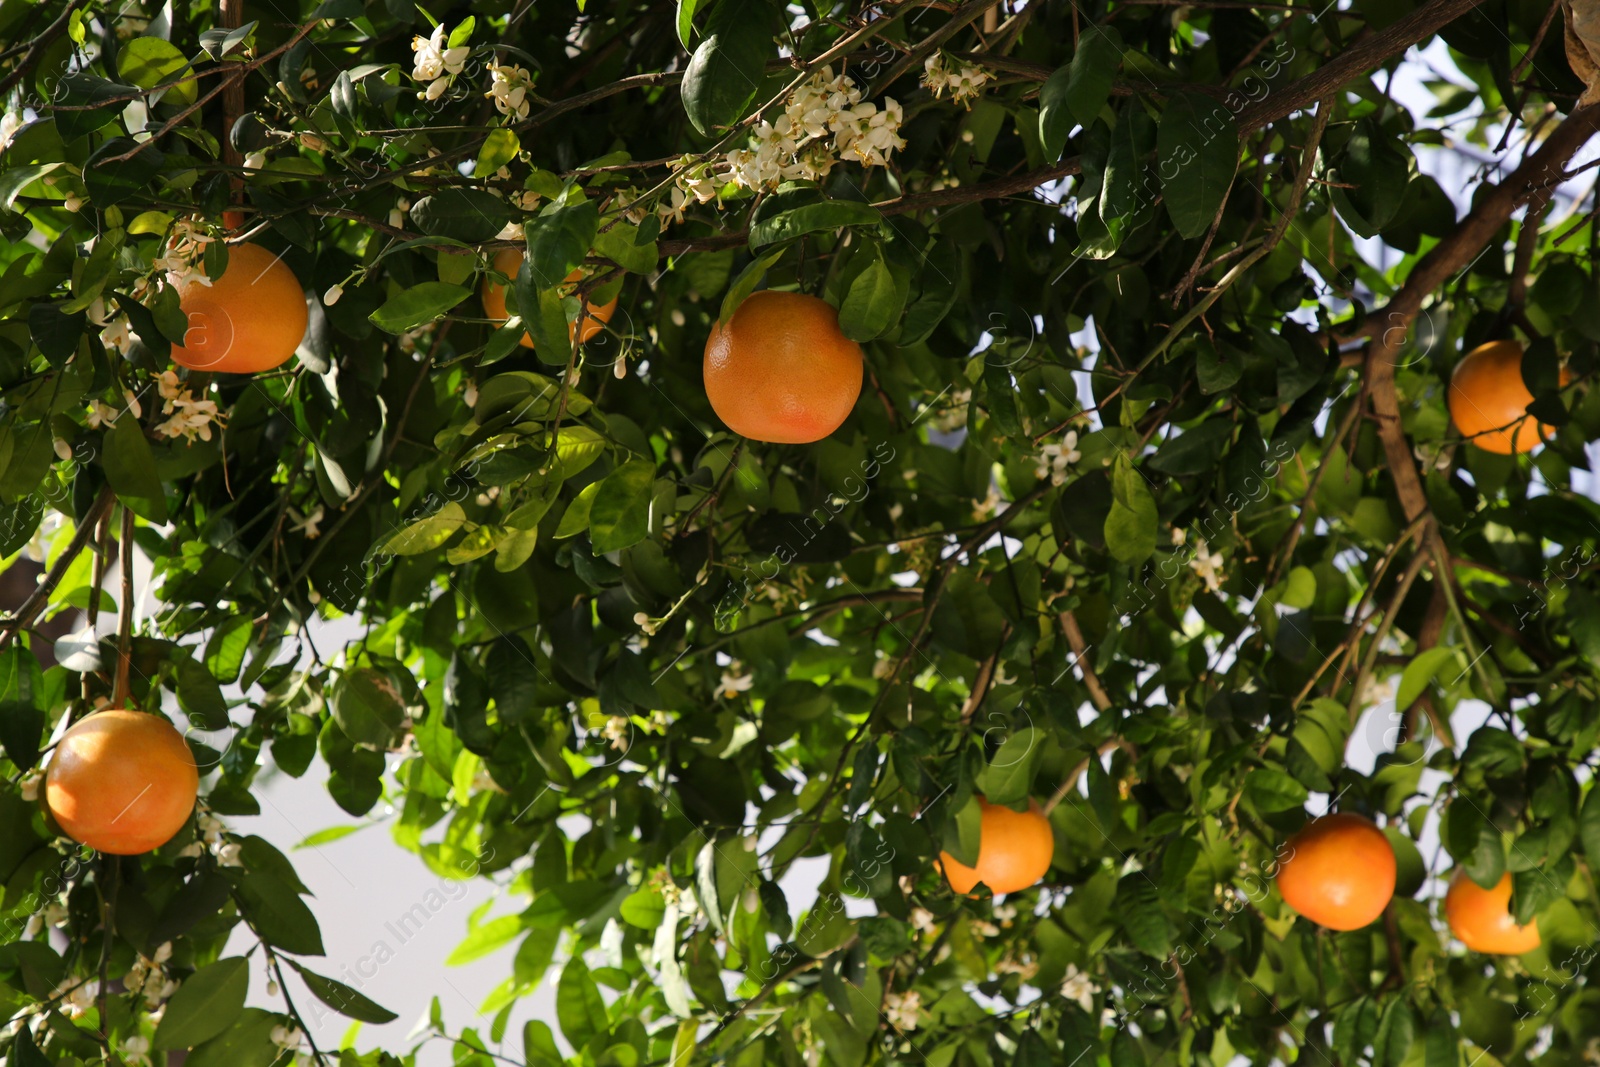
[579,1008]
[1008,777]
[247,1043]
[1076,92]
[1375,165]
[22,711]
[1588,821]
[427,533]
[278,914]
[1198,146]
[1194,451]
[1418,673]
[1273,791]
[810,218]
[200,696]
[422,303]
[486,938]
[874,300]
[558,239]
[499,148]
[620,513]
[131,470]
[727,69]
[226,650]
[619,244]
[685,21]
[343,999]
[746,283]
[1397,1031]
[149,61]
[469,215]
[1130,528]
[575,519]
[207,1003]
[368,707]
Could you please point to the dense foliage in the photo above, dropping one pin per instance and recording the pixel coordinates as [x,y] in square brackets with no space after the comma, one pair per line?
[1150,494]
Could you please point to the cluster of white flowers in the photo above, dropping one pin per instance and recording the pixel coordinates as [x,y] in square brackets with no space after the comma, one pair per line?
[1024,967]
[435,63]
[288,1037]
[185,255]
[903,1010]
[1207,564]
[1054,461]
[136,1051]
[825,120]
[617,730]
[963,81]
[149,977]
[922,920]
[75,996]
[212,839]
[188,416]
[1079,987]
[509,85]
[52,915]
[735,681]
[103,414]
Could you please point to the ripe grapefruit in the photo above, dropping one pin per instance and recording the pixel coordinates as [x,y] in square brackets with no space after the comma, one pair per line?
[1339,871]
[1481,917]
[780,370]
[507,261]
[1489,401]
[121,782]
[249,320]
[1014,851]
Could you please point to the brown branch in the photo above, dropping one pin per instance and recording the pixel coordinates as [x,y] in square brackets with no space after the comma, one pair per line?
[46,37]
[1542,170]
[1077,771]
[1080,650]
[37,600]
[1364,55]
[119,690]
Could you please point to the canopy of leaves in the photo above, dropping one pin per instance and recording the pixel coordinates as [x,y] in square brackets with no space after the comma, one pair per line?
[1150,494]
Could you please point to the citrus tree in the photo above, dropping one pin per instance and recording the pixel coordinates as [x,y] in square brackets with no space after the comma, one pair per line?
[1078,470]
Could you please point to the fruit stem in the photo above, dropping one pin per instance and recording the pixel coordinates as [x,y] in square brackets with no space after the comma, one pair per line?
[119,690]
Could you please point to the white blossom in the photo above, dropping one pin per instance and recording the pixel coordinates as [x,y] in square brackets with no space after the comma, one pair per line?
[188,416]
[1079,987]
[508,88]
[310,525]
[903,1010]
[331,297]
[287,1037]
[397,214]
[10,123]
[1054,460]
[963,81]
[734,681]
[436,64]
[1207,564]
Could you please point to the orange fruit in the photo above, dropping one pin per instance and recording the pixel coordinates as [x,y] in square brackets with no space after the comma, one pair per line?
[1489,402]
[1339,872]
[508,261]
[780,370]
[1481,917]
[251,319]
[1014,851]
[122,782]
